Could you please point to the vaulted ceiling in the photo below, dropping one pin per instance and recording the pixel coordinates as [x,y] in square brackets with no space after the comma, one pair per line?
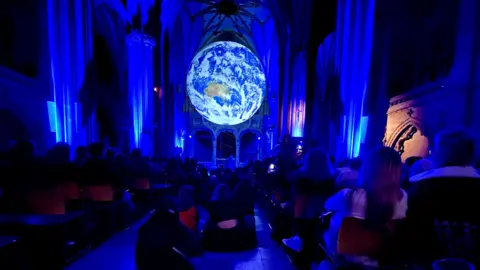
[231,16]
[233,20]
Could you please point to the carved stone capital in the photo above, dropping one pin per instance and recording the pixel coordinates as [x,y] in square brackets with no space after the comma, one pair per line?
[136,37]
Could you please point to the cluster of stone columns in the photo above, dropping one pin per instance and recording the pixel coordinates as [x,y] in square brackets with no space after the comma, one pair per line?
[238,144]
[140,90]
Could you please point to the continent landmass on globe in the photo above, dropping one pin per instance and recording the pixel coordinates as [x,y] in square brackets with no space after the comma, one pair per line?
[219,90]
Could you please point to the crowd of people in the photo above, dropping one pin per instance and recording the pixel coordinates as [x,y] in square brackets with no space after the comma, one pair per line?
[429,196]
[415,212]
[205,210]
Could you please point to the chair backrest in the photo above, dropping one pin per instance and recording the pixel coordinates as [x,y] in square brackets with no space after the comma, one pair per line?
[103,193]
[141,184]
[189,217]
[457,239]
[46,202]
[300,205]
[355,239]
[70,190]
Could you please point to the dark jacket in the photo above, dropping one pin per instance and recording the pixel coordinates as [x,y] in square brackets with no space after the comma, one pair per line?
[164,243]
[436,198]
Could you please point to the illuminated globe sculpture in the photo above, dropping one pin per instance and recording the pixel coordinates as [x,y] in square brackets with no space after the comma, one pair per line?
[226,83]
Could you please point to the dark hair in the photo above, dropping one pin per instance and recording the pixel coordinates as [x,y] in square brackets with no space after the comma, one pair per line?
[355,164]
[137,153]
[60,152]
[81,152]
[110,154]
[410,160]
[221,192]
[332,159]
[454,148]
[96,149]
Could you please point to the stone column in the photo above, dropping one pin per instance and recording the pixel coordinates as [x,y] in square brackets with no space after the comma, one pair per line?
[69,44]
[237,150]
[259,149]
[140,90]
[214,155]
[354,30]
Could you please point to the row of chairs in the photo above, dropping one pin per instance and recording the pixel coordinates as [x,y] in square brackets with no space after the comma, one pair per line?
[391,248]
[64,222]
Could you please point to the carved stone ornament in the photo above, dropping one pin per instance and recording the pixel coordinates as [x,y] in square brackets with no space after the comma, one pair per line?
[410,112]
[137,37]
[406,135]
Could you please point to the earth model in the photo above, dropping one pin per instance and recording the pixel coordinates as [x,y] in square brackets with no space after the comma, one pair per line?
[226,83]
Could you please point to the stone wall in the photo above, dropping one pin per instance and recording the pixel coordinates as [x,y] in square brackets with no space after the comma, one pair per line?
[414,118]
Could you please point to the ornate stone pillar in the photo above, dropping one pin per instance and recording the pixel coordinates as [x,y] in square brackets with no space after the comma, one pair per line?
[237,150]
[214,155]
[140,90]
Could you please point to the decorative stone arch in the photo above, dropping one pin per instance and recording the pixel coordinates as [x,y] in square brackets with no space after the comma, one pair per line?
[194,131]
[256,131]
[191,145]
[237,145]
[226,129]
[408,131]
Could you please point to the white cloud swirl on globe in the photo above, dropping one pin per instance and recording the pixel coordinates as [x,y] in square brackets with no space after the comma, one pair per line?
[226,83]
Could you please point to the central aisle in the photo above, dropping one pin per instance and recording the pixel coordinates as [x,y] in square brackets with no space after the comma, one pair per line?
[118,254]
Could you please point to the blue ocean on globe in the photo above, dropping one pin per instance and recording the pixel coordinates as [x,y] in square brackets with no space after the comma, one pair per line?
[226,83]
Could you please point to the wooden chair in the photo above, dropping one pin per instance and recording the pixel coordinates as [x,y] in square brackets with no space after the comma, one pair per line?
[456,239]
[141,184]
[101,193]
[71,190]
[189,217]
[358,244]
[300,205]
[46,201]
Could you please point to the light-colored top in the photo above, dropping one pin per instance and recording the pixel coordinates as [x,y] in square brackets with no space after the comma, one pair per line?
[342,206]
[347,178]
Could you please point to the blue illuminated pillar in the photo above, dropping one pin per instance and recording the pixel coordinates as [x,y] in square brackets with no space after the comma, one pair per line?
[140,90]
[70,51]
[354,31]
[237,150]
[214,154]
[297,102]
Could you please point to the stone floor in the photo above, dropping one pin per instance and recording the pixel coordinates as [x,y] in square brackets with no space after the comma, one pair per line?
[118,254]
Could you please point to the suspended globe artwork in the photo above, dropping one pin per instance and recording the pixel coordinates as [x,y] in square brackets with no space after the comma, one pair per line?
[226,83]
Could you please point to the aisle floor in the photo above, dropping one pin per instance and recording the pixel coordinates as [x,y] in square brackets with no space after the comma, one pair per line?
[118,254]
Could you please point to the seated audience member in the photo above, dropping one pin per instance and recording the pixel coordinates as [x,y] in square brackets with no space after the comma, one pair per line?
[189,212]
[81,156]
[164,243]
[444,194]
[378,199]
[226,230]
[420,166]
[96,169]
[312,185]
[244,194]
[138,171]
[348,177]
[405,179]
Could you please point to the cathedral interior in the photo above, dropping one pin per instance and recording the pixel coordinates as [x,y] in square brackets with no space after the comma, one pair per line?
[345,76]
[391,73]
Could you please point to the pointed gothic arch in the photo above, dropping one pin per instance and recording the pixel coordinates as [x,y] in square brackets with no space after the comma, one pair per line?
[409,139]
